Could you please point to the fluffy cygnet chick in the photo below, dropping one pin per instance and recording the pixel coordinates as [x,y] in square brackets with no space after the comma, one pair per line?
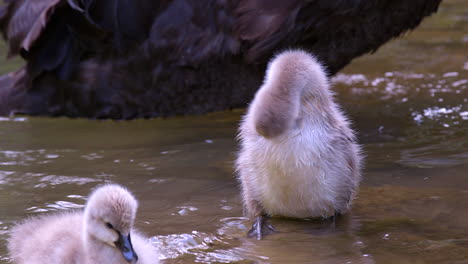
[102,233]
[299,157]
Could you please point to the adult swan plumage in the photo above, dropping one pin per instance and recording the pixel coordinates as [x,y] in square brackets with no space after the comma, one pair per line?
[126,59]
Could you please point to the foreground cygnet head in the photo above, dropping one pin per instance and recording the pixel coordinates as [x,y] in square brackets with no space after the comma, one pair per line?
[109,216]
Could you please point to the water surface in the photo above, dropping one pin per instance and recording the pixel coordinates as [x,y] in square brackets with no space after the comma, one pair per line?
[408,102]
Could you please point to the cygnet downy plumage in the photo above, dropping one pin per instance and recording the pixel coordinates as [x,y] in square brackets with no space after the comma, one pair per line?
[299,157]
[102,233]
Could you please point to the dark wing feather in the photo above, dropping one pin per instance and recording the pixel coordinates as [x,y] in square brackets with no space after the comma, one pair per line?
[39,25]
[335,30]
[54,53]
[188,33]
[260,19]
[264,24]
[128,20]
[3,14]
[54,35]
[24,17]
[353,28]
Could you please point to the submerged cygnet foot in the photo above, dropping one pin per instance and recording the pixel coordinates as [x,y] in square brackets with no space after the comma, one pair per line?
[260,228]
[299,157]
[102,233]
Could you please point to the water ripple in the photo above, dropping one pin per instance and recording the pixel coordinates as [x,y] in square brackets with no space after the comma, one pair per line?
[175,245]
[13,119]
[58,205]
[29,157]
[57,179]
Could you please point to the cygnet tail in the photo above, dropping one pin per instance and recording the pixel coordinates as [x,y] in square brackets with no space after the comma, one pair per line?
[277,104]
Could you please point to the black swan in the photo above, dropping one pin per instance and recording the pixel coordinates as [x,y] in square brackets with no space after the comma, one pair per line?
[125,59]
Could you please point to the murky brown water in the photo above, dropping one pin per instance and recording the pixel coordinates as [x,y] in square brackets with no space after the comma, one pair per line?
[409,102]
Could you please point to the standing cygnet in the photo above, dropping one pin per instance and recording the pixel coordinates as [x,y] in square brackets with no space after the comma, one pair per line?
[299,157]
[102,233]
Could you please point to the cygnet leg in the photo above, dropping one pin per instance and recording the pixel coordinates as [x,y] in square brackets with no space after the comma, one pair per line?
[260,228]
[334,219]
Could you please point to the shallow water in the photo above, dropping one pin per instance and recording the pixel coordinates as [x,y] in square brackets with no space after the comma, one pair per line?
[408,102]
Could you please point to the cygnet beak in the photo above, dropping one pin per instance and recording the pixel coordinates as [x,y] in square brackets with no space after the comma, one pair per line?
[124,244]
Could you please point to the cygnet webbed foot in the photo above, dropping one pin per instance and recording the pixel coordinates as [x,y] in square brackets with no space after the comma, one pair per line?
[260,228]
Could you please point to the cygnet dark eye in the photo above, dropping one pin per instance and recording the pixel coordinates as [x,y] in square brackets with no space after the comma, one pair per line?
[109,225]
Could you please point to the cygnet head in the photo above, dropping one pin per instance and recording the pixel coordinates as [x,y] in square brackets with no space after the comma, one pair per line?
[294,79]
[109,216]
